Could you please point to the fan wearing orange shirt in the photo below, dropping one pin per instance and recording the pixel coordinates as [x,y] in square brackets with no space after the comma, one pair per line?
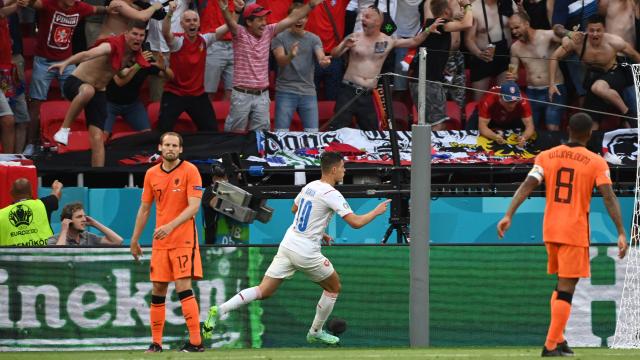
[176,188]
[570,172]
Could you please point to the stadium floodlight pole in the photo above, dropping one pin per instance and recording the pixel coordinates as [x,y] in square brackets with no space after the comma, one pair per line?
[419,218]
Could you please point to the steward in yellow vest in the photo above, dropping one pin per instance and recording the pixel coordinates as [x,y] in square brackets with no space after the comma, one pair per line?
[26,221]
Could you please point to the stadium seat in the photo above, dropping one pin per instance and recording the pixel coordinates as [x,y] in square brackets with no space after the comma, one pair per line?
[221,108]
[401,114]
[325,111]
[51,117]
[121,125]
[28,51]
[470,108]
[453,112]
[184,123]
[78,141]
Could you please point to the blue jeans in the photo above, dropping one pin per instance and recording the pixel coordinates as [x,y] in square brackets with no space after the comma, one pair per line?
[41,77]
[552,115]
[332,77]
[287,103]
[135,114]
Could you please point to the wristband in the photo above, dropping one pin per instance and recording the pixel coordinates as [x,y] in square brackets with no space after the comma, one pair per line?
[427,30]
[568,34]
[467,7]
[136,66]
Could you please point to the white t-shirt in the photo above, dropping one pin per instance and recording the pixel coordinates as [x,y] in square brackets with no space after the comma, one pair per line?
[154,33]
[316,202]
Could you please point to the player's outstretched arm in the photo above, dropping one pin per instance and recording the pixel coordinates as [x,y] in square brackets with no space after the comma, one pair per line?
[358,221]
[519,197]
[613,207]
[141,222]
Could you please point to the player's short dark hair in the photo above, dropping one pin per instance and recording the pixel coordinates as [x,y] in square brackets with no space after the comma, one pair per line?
[137,24]
[171,133]
[69,209]
[294,5]
[580,124]
[217,171]
[523,16]
[438,7]
[329,159]
[596,19]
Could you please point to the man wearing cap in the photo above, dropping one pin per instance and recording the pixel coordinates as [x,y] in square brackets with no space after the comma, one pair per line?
[251,43]
[503,108]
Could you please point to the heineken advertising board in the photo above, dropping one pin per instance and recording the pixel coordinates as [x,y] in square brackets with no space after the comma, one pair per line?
[90,299]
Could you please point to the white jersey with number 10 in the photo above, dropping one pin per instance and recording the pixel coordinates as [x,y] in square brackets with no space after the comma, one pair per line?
[317,202]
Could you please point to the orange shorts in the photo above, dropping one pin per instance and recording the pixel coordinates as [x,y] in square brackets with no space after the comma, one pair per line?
[171,264]
[568,261]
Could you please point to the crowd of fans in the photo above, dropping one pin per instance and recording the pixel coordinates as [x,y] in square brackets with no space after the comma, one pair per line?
[528,55]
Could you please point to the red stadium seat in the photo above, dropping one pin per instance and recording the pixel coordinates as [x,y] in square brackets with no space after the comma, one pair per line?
[221,108]
[453,112]
[120,125]
[184,123]
[325,111]
[28,51]
[470,108]
[51,117]
[78,141]
[401,114]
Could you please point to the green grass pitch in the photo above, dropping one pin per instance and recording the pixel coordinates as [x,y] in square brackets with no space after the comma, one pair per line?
[330,353]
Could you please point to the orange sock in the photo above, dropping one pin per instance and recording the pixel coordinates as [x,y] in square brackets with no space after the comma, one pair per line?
[560,311]
[191,315]
[554,296]
[157,315]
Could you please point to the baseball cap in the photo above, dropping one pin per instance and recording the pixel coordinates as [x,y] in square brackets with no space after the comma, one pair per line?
[510,91]
[255,10]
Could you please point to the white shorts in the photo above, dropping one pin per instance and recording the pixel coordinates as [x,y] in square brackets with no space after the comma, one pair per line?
[287,262]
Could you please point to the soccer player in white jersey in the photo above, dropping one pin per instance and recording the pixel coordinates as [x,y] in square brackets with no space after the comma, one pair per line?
[300,249]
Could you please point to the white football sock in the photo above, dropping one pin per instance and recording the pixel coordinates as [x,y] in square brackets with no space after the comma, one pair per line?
[323,310]
[243,297]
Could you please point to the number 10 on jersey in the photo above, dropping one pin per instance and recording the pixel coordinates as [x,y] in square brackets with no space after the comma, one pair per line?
[302,216]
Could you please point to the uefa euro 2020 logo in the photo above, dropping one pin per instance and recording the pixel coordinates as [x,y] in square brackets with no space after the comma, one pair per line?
[21,215]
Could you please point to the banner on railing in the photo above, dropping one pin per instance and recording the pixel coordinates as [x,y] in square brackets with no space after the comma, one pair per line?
[302,148]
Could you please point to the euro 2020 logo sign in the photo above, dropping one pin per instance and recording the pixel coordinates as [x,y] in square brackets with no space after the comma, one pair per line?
[21,215]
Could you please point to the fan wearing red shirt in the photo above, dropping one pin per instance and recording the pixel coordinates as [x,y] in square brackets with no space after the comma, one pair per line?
[321,24]
[185,92]
[57,20]
[503,108]
[279,9]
